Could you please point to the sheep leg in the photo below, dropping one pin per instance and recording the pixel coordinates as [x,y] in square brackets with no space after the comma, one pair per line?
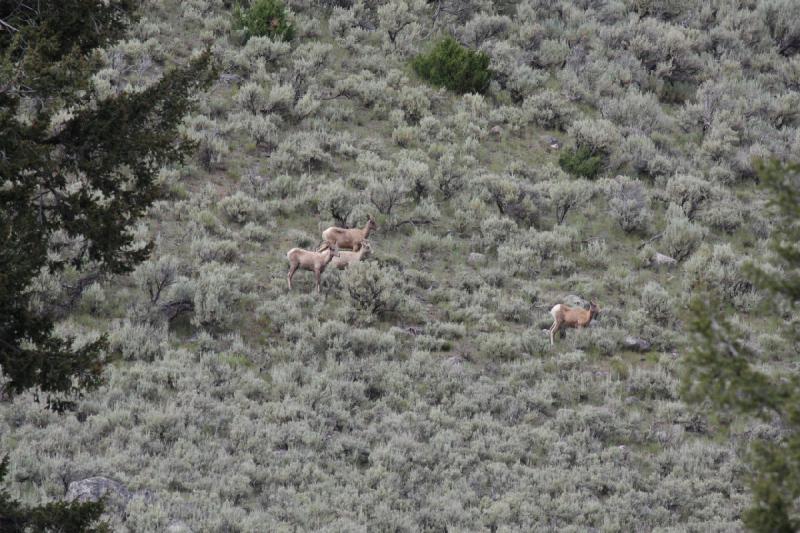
[317,274]
[292,270]
[555,328]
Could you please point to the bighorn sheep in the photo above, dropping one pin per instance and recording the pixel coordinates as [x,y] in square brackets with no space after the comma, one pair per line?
[347,238]
[346,259]
[565,316]
[308,260]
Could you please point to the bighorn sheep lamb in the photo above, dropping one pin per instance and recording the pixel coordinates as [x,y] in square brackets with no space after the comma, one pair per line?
[347,238]
[346,259]
[565,316]
[308,260]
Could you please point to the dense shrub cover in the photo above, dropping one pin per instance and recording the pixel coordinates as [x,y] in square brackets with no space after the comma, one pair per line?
[419,390]
[448,64]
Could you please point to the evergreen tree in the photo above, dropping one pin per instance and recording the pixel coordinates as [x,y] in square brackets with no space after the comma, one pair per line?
[89,178]
[453,66]
[263,17]
[719,369]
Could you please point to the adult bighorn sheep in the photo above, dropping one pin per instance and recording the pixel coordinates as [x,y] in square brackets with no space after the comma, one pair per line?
[308,260]
[347,238]
[565,316]
[346,259]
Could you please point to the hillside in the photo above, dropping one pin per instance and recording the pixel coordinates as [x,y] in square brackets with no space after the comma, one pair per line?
[419,391]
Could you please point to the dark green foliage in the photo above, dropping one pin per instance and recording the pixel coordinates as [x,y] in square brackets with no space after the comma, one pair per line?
[677,92]
[581,161]
[784,182]
[451,65]
[264,18]
[64,517]
[719,369]
[49,48]
[90,178]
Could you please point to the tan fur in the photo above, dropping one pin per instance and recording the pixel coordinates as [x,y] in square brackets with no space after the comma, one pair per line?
[316,262]
[565,316]
[346,259]
[347,238]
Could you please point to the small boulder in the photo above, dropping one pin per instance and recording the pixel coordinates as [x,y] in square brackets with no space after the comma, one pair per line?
[179,526]
[93,488]
[663,260]
[552,143]
[229,79]
[476,258]
[455,360]
[637,344]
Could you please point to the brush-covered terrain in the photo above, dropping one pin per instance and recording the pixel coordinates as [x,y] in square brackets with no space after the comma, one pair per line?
[419,390]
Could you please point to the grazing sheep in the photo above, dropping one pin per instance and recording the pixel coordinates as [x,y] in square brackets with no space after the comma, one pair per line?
[347,238]
[565,316]
[308,260]
[348,258]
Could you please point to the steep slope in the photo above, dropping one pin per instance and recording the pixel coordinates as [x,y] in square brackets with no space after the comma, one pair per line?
[419,390]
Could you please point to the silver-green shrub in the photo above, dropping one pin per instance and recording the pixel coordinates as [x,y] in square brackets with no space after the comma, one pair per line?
[719,270]
[218,290]
[154,277]
[689,192]
[657,303]
[628,204]
[549,109]
[240,208]
[681,236]
[374,292]
[137,342]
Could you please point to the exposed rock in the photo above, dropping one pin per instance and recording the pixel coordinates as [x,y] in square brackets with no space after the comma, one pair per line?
[663,260]
[476,259]
[178,526]
[229,78]
[93,488]
[455,360]
[635,343]
[551,143]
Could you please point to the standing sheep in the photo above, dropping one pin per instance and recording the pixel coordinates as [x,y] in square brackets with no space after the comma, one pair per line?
[308,260]
[347,238]
[565,316]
